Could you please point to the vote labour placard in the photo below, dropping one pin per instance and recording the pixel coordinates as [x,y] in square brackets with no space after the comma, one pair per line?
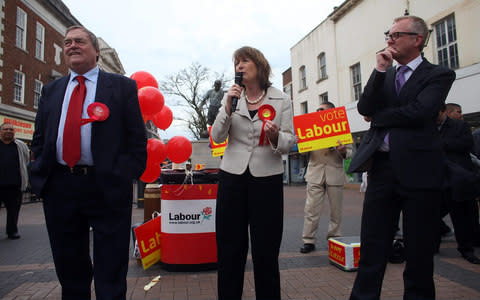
[148,239]
[217,149]
[322,129]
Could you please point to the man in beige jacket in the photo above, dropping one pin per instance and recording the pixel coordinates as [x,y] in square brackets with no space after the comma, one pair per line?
[325,174]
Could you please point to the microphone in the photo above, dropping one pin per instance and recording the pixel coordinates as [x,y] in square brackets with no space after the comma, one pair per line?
[238,80]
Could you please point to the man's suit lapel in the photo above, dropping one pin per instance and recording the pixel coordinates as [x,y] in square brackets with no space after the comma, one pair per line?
[390,87]
[104,88]
[104,94]
[412,83]
[57,103]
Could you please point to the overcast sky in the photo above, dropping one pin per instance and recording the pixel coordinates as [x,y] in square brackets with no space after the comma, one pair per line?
[165,36]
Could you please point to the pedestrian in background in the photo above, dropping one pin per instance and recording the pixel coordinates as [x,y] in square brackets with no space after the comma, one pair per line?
[403,155]
[457,142]
[14,157]
[84,173]
[250,191]
[454,111]
[325,176]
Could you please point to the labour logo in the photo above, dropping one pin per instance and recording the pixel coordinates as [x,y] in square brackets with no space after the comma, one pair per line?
[206,213]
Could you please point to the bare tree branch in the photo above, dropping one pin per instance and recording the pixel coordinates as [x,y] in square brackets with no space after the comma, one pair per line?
[188,85]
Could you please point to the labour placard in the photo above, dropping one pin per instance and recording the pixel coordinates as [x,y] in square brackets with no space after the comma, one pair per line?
[188,208]
[217,149]
[148,239]
[322,129]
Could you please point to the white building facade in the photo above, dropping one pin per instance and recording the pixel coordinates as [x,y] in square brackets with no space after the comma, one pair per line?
[334,61]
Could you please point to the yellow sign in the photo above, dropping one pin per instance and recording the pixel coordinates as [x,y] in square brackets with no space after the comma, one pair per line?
[217,149]
[23,129]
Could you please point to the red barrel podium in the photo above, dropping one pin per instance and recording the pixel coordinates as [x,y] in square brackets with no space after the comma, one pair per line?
[188,220]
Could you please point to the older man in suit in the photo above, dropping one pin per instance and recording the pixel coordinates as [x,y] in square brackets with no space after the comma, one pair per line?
[403,154]
[84,173]
[325,176]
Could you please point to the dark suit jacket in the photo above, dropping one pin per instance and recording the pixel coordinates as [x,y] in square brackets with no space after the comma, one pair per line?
[476,143]
[415,147]
[118,143]
[457,142]
[461,182]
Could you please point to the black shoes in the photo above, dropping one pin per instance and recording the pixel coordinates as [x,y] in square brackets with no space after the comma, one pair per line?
[14,236]
[307,248]
[471,258]
[398,252]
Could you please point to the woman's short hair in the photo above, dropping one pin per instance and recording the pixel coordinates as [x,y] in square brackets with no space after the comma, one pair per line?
[263,67]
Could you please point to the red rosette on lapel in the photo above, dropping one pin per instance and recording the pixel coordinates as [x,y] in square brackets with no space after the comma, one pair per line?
[97,112]
[265,112]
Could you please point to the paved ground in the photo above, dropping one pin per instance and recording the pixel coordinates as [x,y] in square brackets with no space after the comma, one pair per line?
[27,272]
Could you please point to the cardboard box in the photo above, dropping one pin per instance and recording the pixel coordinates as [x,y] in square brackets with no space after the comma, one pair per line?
[344,252]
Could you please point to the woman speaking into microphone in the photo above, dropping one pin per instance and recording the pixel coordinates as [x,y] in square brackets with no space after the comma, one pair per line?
[250,192]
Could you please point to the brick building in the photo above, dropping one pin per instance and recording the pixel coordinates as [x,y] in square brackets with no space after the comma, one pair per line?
[31,46]
[30,56]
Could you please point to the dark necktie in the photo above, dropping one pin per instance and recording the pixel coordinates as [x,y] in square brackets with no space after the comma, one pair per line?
[71,131]
[400,78]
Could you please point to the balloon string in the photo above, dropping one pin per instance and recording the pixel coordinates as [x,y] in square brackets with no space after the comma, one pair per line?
[181,188]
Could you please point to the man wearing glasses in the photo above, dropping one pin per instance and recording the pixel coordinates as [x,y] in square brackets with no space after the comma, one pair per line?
[402,154]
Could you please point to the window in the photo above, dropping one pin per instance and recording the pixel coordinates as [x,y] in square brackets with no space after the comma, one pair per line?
[356,81]
[39,41]
[37,92]
[21,29]
[322,66]
[303,78]
[19,87]
[288,90]
[446,38]
[323,98]
[304,108]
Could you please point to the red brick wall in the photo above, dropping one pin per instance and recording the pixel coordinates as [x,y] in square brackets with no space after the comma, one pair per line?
[287,76]
[17,59]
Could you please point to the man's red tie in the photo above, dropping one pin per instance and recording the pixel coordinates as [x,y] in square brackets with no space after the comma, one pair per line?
[71,131]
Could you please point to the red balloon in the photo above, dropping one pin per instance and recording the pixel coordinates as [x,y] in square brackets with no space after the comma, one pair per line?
[163,119]
[152,172]
[179,149]
[144,79]
[151,100]
[156,151]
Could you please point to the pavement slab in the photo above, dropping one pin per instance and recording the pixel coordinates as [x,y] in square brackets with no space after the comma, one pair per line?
[27,270]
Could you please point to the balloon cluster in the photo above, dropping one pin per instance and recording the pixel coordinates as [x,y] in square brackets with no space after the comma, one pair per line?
[152,106]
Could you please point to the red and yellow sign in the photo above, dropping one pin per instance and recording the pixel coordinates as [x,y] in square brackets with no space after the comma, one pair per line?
[23,129]
[344,252]
[148,239]
[322,129]
[217,149]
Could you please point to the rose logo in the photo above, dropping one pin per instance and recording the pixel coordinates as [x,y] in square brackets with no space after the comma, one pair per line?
[206,213]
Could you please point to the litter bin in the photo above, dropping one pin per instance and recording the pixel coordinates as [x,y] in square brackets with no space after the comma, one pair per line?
[151,200]
[188,220]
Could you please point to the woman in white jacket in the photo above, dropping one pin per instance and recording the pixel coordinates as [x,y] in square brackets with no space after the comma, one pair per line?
[250,193]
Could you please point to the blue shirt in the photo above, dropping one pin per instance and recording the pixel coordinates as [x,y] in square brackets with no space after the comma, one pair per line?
[91,78]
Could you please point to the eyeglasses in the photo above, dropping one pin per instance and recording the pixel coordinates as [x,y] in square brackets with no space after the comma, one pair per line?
[320,109]
[396,35]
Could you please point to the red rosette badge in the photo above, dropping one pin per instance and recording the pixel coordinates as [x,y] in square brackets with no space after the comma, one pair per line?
[265,112]
[97,112]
